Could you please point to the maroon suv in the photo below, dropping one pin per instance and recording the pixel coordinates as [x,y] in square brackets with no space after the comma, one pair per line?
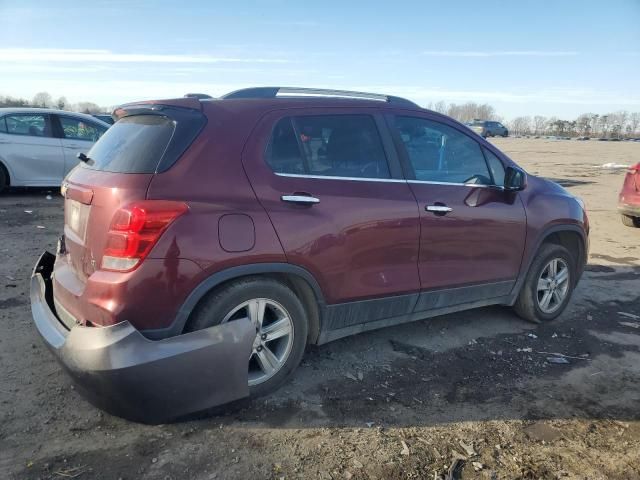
[208,241]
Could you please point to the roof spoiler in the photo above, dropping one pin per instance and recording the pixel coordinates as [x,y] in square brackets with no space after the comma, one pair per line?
[155,106]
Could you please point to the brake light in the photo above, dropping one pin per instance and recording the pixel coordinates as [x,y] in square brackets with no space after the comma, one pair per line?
[134,231]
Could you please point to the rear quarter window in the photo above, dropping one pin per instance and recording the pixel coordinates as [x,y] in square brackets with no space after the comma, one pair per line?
[134,144]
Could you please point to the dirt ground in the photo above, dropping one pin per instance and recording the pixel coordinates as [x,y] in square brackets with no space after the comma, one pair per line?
[401,402]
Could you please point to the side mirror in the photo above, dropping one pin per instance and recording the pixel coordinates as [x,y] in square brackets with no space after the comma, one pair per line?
[515,179]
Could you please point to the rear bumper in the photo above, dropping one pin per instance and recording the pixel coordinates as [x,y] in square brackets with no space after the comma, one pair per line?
[631,210]
[119,370]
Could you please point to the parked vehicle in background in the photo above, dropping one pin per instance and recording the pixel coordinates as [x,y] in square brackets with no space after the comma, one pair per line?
[487,128]
[629,199]
[38,147]
[105,117]
[208,241]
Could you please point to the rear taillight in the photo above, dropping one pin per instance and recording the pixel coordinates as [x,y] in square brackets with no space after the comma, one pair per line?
[134,231]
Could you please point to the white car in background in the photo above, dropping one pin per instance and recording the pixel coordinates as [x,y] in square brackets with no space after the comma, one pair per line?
[39,146]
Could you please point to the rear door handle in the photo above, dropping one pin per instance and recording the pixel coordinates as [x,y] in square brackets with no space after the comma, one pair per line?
[300,199]
[438,209]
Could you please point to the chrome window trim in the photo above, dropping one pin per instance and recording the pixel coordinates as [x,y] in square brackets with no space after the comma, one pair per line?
[330,177]
[388,180]
[476,185]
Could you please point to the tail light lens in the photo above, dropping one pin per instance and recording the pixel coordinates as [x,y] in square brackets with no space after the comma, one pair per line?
[134,231]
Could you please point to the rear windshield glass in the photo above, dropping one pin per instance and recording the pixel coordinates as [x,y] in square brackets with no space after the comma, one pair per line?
[134,144]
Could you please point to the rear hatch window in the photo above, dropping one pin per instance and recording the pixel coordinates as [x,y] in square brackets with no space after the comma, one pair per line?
[133,145]
[147,139]
[150,141]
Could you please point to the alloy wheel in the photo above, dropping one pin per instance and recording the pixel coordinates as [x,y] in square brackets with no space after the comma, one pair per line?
[553,285]
[274,336]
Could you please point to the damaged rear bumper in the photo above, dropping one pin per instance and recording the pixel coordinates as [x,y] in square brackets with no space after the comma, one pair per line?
[119,370]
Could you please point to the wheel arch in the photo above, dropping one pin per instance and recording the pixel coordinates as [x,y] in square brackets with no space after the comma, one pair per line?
[303,283]
[572,241]
[569,236]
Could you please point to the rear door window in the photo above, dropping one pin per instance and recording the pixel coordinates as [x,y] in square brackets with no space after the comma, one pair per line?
[80,129]
[33,125]
[134,144]
[440,153]
[346,146]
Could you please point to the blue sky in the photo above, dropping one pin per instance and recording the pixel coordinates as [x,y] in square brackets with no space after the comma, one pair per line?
[524,57]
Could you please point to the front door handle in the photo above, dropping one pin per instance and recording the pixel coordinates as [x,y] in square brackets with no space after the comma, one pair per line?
[438,209]
[300,199]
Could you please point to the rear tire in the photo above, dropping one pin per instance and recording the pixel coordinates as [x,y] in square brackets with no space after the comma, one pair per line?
[627,220]
[238,300]
[545,294]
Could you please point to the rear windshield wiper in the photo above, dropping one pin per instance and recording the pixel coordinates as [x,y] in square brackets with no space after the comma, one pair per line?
[83,158]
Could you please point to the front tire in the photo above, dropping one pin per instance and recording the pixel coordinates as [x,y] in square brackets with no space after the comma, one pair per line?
[548,286]
[4,179]
[627,220]
[281,327]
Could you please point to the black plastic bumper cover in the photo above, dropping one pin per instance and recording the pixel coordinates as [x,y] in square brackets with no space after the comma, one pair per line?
[124,373]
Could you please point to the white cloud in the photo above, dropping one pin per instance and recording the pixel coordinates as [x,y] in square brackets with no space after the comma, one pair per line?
[107,56]
[506,53]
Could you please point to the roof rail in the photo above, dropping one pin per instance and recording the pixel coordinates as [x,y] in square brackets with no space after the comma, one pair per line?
[273,92]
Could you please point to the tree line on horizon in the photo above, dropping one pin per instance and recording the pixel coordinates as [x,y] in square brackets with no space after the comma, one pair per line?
[615,124]
[45,100]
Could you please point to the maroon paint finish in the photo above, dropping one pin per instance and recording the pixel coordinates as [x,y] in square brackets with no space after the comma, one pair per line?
[548,205]
[236,232]
[359,241]
[480,241]
[365,239]
[629,198]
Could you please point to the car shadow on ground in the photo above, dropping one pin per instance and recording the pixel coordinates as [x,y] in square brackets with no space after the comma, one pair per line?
[483,364]
[569,182]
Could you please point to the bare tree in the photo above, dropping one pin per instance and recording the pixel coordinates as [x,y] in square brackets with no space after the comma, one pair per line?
[520,126]
[634,122]
[619,120]
[469,111]
[594,123]
[605,123]
[583,124]
[440,107]
[13,102]
[539,122]
[61,103]
[42,99]
[87,107]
